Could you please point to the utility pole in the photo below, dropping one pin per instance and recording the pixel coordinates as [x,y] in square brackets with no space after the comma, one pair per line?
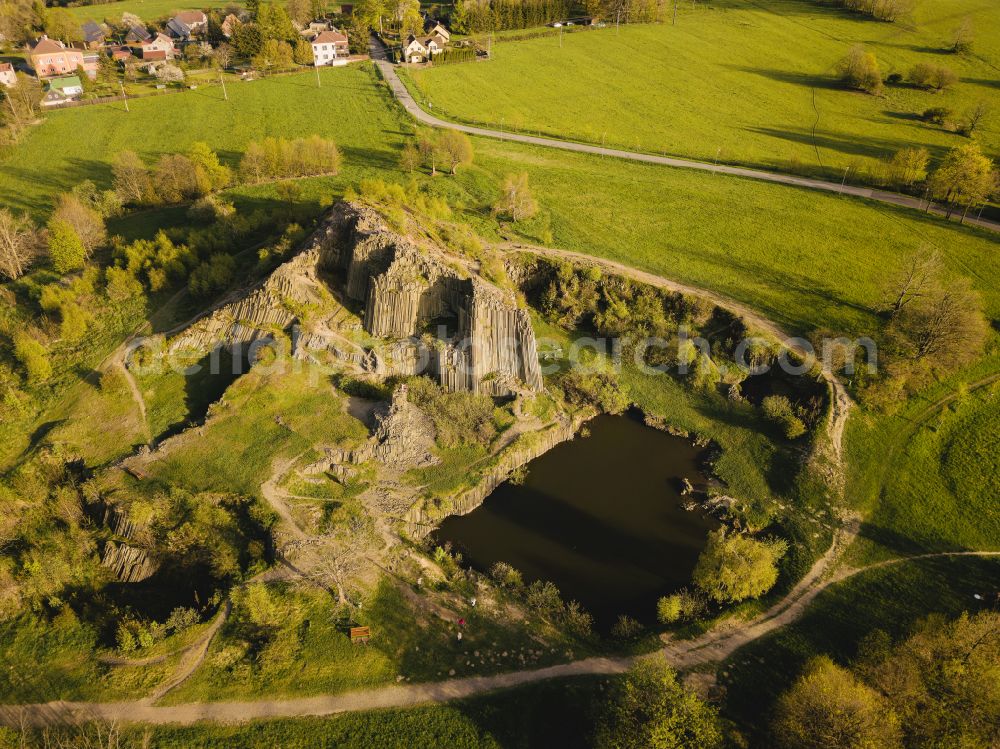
[675,13]
[560,37]
[318,84]
[222,80]
[124,97]
[844,180]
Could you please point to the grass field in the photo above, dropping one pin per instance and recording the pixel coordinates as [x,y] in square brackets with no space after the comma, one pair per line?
[807,259]
[147,10]
[741,82]
[925,478]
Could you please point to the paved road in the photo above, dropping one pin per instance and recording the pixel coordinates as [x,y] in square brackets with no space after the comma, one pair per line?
[882,196]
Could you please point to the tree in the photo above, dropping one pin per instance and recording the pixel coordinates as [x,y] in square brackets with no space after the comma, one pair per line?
[65,248]
[18,244]
[88,223]
[919,274]
[430,150]
[210,175]
[828,708]
[909,165]
[928,75]
[275,24]
[222,55]
[247,39]
[131,178]
[516,200]
[669,609]
[942,681]
[169,73]
[176,179]
[735,567]
[974,118]
[60,24]
[303,54]
[649,709]
[456,148]
[410,158]
[408,18]
[945,325]
[300,11]
[274,54]
[860,70]
[964,37]
[964,178]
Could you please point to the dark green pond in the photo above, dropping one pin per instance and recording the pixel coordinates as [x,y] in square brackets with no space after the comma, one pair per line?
[599,516]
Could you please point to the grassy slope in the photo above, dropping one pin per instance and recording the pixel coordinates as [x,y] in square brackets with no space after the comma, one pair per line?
[147,10]
[79,144]
[739,81]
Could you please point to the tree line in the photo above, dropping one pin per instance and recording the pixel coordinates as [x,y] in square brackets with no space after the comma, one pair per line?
[478,16]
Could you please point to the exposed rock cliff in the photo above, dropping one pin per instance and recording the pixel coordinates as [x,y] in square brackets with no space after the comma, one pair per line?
[484,341]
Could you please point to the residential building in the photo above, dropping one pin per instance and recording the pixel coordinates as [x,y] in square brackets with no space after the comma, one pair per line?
[93,35]
[423,49]
[160,47]
[195,20]
[137,35]
[328,47]
[229,23]
[49,57]
[8,77]
[63,89]
[178,30]
[436,28]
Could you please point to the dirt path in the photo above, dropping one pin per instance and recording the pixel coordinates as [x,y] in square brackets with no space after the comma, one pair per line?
[276,498]
[140,402]
[404,97]
[712,647]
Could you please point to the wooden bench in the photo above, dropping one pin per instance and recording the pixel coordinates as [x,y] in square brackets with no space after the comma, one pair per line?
[360,634]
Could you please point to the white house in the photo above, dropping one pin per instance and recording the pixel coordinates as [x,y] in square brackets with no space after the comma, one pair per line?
[423,49]
[8,77]
[160,47]
[329,47]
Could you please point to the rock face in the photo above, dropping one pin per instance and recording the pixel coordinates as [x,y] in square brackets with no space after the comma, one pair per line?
[130,564]
[483,341]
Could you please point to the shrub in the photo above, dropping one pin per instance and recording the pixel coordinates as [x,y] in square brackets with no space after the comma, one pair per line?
[212,276]
[626,628]
[506,576]
[778,409]
[65,247]
[937,115]
[669,609]
[577,621]
[33,356]
[599,390]
[860,70]
[544,599]
[928,75]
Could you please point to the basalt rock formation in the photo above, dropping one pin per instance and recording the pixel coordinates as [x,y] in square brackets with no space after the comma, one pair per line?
[130,564]
[482,341]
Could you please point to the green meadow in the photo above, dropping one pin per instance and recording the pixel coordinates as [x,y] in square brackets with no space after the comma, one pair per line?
[147,10]
[748,83]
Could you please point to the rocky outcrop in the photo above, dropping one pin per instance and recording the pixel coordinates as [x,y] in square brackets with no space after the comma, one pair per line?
[422,518]
[403,439]
[129,564]
[431,310]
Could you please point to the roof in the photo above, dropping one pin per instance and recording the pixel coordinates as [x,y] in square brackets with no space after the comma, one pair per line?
[67,81]
[329,37]
[154,54]
[92,32]
[44,45]
[189,17]
[437,39]
[137,34]
[160,37]
[6,67]
[178,27]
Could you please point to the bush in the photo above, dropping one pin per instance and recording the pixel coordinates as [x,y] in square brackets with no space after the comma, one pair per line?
[600,391]
[626,628]
[459,418]
[860,70]
[544,600]
[65,247]
[928,75]
[506,576]
[577,621]
[778,409]
[938,115]
[33,357]
[669,609]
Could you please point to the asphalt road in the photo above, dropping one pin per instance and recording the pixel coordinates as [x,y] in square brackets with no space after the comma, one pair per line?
[403,95]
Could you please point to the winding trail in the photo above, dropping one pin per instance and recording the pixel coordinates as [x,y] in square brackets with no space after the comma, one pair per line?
[404,97]
[712,647]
